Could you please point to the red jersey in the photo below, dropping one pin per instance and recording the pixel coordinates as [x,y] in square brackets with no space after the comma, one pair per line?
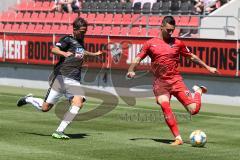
[165,57]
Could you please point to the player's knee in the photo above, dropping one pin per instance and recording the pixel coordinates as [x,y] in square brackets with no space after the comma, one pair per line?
[46,107]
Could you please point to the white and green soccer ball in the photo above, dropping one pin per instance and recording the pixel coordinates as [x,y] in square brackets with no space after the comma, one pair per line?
[198,138]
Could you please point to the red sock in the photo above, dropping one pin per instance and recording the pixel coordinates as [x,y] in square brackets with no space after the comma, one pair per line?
[197,99]
[170,118]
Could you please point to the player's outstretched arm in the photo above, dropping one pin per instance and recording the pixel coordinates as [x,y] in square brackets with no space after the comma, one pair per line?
[92,54]
[57,51]
[197,60]
[131,73]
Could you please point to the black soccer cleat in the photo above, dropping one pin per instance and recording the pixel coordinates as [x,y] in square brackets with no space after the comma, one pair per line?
[22,101]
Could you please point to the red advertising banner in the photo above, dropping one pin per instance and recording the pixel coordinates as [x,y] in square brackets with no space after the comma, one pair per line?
[119,52]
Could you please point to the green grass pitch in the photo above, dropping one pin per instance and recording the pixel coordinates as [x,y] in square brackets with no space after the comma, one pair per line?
[136,133]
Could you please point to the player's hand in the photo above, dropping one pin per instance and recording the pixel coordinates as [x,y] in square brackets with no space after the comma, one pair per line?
[130,75]
[67,54]
[213,70]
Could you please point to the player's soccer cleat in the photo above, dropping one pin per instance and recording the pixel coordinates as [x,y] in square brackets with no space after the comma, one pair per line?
[22,101]
[203,88]
[177,142]
[60,135]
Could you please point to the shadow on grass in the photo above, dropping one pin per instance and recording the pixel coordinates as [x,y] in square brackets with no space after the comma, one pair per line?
[72,136]
[166,141]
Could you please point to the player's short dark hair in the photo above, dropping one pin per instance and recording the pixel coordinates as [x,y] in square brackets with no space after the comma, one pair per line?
[79,22]
[168,19]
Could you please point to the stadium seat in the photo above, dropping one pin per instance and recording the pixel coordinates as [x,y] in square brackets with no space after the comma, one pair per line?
[30,5]
[72,17]
[143,32]
[128,7]
[119,8]
[49,17]
[184,20]
[141,21]
[153,32]
[22,28]
[89,30]
[65,18]
[46,29]
[21,6]
[38,28]
[110,7]
[107,30]
[175,6]
[108,19]
[185,7]
[15,27]
[124,31]
[156,8]
[57,17]
[135,31]
[37,6]
[8,16]
[165,7]
[1,27]
[47,6]
[99,18]
[126,19]
[91,18]
[115,31]
[26,17]
[97,30]
[102,6]
[19,17]
[34,17]
[117,19]
[155,20]
[194,21]
[30,28]
[83,15]
[63,29]
[42,16]
[55,28]
[146,8]
[137,8]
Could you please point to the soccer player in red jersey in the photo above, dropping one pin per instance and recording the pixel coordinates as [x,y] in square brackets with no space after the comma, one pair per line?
[165,52]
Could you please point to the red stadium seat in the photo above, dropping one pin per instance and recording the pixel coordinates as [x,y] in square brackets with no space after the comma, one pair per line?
[154,20]
[30,6]
[37,6]
[107,30]
[49,17]
[153,32]
[117,19]
[194,21]
[15,27]
[23,28]
[90,30]
[26,17]
[72,17]
[83,15]
[8,16]
[97,30]
[134,31]
[46,29]
[7,27]
[1,27]
[127,19]
[47,6]
[108,19]
[34,17]
[57,17]
[19,17]
[22,6]
[91,18]
[115,31]
[124,31]
[39,28]
[143,32]
[63,29]
[30,28]
[55,28]
[42,17]
[184,20]
[65,18]
[99,19]
[141,21]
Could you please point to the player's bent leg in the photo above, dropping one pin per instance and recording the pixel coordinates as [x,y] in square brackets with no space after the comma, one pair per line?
[46,106]
[22,101]
[170,119]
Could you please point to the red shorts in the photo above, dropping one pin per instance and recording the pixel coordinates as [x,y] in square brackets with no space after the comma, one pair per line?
[178,89]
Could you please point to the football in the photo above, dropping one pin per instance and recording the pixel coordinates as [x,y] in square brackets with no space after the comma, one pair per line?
[198,138]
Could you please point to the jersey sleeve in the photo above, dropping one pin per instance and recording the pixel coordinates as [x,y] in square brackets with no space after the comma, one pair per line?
[144,51]
[184,51]
[63,43]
